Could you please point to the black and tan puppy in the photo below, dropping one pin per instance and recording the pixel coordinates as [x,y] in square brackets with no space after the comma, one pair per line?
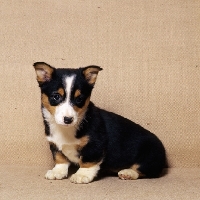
[79,132]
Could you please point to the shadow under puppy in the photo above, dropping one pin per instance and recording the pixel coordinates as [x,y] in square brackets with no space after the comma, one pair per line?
[81,133]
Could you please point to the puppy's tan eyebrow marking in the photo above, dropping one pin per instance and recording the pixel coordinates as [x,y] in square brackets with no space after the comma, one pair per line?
[61,91]
[77,93]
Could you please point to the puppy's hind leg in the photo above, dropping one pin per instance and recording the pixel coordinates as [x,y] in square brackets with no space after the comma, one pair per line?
[130,174]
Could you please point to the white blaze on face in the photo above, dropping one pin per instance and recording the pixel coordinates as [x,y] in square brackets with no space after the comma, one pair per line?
[65,109]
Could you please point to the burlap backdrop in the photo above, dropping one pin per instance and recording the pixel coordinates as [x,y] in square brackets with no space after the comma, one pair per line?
[149,51]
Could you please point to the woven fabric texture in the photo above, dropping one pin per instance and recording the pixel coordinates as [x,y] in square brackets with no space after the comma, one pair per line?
[17,184]
[149,51]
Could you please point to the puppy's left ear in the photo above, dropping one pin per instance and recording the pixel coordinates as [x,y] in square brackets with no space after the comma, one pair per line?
[91,73]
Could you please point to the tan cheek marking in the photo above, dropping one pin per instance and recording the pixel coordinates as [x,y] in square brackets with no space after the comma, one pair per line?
[77,93]
[84,108]
[46,104]
[61,91]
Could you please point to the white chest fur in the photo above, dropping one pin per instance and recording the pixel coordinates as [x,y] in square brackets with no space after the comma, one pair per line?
[64,138]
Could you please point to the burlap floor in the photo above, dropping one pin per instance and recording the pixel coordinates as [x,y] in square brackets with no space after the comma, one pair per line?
[150,53]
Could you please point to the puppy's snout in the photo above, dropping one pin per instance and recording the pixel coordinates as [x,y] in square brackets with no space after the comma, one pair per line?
[68,120]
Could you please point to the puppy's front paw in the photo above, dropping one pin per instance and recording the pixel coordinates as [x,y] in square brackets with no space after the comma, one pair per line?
[85,175]
[60,171]
[80,178]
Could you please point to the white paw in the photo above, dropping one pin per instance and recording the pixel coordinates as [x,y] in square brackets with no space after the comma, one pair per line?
[79,178]
[128,174]
[85,175]
[60,171]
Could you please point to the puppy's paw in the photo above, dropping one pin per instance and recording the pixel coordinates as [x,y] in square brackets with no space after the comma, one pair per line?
[85,175]
[80,178]
[60,171]
[128,174]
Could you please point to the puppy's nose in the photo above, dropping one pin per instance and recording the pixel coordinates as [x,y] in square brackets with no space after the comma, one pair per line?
[68,120]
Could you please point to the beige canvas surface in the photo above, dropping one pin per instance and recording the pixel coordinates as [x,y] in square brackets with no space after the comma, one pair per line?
[150,53]
[173,186]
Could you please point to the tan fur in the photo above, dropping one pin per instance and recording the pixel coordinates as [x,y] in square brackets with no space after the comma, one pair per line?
[46,104]
[129,174]
[87,165]
[60,158]
[77,93]
[135,167]
[61,91]
[83,141]
[84,108]
[70,151]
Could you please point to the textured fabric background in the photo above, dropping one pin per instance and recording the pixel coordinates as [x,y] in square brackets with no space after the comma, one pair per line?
[17,184]
[149,51]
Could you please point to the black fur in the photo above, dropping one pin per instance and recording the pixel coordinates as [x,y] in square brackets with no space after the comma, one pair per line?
[46,126]
[121,143]
[54,150]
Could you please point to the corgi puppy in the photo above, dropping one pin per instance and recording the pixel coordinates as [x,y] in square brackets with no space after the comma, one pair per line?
[81,133]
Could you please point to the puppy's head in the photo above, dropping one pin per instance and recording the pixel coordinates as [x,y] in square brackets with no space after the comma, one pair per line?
[65,93]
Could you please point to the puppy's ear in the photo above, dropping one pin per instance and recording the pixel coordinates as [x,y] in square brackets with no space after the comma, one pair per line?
[43,71]
[91,73]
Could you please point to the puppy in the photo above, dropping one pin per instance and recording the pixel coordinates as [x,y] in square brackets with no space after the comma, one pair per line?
[81,133]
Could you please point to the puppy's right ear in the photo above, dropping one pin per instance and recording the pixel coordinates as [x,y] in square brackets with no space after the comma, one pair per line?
[43,71]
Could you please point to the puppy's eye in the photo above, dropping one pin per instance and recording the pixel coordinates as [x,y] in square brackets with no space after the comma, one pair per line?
[79,99]
[56,97]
